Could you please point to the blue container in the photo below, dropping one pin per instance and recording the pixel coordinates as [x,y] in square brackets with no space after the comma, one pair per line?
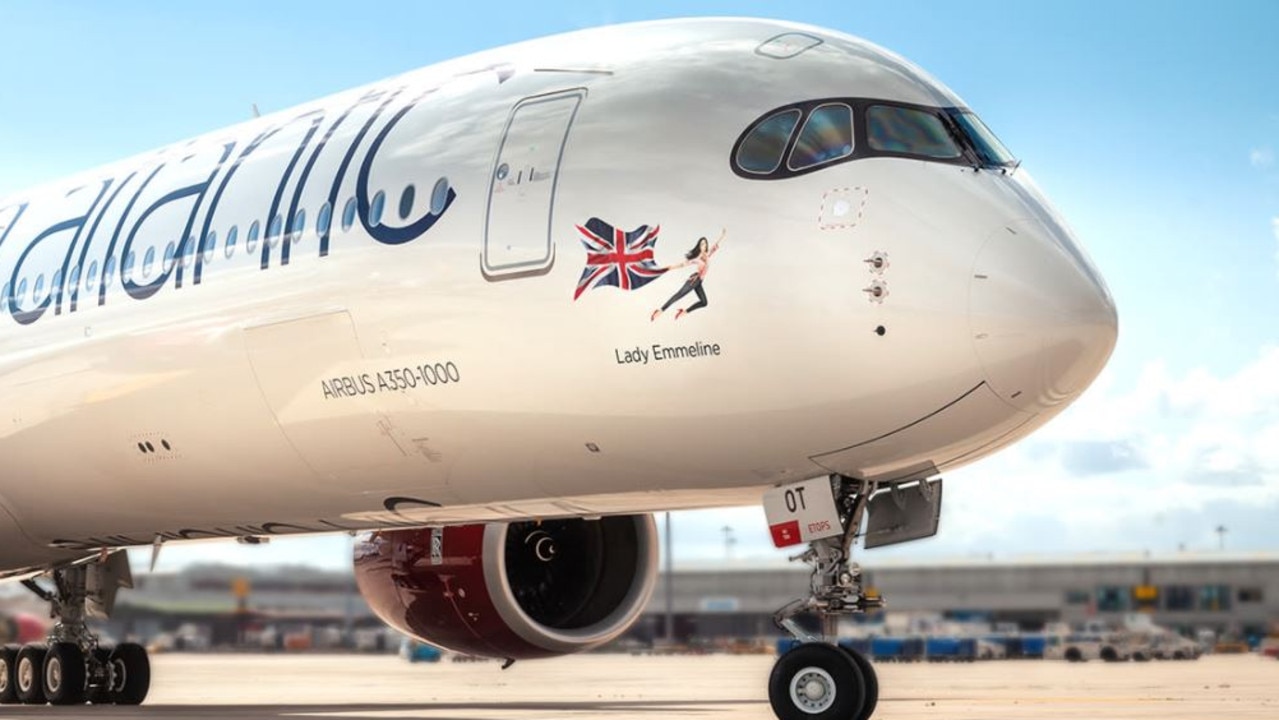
[913,649]
[420,652]
[951,649]
[897,648]
[1032,646]
[887,648]
[857,645]
[942,648]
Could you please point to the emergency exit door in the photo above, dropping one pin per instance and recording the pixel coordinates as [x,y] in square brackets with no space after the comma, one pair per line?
[521,207]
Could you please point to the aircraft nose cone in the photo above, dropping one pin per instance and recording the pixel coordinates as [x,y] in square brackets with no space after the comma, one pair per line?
[1043,322]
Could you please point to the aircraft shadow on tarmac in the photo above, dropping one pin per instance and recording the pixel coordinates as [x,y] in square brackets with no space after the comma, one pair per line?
[376,711]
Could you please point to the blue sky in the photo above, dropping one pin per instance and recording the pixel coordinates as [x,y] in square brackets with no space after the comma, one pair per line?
[1153,125]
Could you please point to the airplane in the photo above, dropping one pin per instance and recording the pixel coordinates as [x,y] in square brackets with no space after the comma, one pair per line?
[494,313]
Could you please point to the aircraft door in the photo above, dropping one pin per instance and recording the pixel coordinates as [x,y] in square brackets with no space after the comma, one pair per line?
[521,203]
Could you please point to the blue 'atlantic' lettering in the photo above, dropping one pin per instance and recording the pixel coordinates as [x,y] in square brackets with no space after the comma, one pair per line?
[26,316]
[385,233]
[116,214]
[197,190]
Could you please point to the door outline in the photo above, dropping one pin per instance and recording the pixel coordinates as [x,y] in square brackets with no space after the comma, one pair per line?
[543,265]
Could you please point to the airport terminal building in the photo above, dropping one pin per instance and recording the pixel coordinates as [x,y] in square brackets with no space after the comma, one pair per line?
[1231,594]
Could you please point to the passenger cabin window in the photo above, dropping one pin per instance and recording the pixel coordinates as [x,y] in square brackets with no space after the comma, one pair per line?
[299,226]
[908,131]
[210,244]
[348,214]
[376,207]
[439,196]
[323,219]
[251,240]
[761,150]
[228,248]
[274,229]
[827,135]
[406,201]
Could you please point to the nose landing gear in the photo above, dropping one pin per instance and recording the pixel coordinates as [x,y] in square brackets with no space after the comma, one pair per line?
[72,669]
[817,680]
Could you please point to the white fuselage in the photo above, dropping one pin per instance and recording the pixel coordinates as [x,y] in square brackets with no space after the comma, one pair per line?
[229,391]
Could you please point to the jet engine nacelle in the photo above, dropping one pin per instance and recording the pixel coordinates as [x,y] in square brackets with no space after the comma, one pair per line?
[512,590]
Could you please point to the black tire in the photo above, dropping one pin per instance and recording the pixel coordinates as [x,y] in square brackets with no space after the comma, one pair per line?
[823,678]
[100,694]
[28,674]
[64,674]
[1073,655]
[870,678]
[130,672]
[1108,654]
[8,663]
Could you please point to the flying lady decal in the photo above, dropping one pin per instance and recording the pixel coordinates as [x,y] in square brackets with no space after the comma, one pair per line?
[700,258]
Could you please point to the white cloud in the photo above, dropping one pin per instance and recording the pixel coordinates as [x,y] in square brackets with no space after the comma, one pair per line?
[1152,466]
[1262,158]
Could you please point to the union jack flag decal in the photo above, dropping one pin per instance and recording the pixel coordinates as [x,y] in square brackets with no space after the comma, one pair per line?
[614,257]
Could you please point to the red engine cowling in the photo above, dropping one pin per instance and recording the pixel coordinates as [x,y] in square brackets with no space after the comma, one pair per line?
[518,590]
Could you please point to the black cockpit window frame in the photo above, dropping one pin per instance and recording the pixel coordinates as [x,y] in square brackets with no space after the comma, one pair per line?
[970,155]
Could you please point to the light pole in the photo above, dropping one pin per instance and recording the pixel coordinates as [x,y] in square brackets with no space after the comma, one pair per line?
[1221,537]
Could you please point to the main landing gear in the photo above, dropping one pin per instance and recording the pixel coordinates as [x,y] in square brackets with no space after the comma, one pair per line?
[71,668]
[817,680]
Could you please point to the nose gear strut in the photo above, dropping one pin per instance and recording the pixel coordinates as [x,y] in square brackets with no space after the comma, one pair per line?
[837,683]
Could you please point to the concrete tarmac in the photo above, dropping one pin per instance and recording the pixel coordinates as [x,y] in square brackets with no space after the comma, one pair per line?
[276,687]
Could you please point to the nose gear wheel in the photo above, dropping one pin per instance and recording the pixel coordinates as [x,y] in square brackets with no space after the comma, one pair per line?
[816,680]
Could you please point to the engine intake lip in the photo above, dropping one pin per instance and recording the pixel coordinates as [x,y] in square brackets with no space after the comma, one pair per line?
[590,634]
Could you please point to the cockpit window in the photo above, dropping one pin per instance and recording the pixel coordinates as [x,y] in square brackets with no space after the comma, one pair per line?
[761,150]
[827,136]
[988,147]
[909,131]
[820,133]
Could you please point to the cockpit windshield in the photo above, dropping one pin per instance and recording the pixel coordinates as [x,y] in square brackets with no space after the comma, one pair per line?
[896,129]
[811,135]
[984,142]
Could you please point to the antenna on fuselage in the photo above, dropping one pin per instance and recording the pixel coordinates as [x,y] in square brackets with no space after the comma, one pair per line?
[256,113]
